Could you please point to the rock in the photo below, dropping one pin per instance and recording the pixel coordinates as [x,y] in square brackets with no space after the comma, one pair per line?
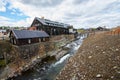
[114,67]
[89,57]
[98,75]
[74,78]
[96,46]
[78,74]
[117,49]
[112,77]
[103,52]
[118,72]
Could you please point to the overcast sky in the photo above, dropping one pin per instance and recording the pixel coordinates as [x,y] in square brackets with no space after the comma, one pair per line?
[79,13]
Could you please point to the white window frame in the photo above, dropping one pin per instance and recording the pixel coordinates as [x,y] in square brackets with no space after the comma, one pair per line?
[39,39]
[29,41]
[43,39]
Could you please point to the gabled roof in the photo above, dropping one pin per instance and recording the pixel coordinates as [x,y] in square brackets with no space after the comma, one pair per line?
[52,23]
[22,34]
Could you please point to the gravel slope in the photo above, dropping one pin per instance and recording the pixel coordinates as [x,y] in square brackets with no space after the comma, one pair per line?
[97,59]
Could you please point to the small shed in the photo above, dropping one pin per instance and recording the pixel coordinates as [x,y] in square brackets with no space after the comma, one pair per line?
[24,37]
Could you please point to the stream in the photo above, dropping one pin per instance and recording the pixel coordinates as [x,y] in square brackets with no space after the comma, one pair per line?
[49,70]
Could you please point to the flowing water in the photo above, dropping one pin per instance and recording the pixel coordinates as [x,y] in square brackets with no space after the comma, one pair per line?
[49,71]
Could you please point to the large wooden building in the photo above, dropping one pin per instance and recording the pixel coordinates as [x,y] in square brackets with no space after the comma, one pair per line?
[51,27]
[23,37]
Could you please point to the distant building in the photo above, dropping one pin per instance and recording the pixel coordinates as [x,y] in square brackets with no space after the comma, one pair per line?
[51,27]
[2,31]
[99,28]
[23,37]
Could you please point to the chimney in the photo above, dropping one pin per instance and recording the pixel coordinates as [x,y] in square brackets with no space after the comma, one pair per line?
[42,17]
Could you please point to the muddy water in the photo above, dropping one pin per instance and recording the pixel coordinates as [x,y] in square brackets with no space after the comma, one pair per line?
[49,70]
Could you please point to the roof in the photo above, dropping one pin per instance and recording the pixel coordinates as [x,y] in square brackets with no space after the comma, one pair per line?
[52,23]
[22,34]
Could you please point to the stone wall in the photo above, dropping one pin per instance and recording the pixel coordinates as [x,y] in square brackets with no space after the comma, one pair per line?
[26,53]
[60,37]
[39,49]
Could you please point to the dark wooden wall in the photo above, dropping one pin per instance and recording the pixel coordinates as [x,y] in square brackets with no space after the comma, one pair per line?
[33,40]
[51,30]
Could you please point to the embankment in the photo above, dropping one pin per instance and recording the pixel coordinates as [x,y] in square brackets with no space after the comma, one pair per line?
[97,59]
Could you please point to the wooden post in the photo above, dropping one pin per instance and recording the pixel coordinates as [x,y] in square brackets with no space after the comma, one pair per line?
[5,56]
[118,33]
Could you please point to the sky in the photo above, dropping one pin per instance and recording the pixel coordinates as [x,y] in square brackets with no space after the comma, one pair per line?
[79,13]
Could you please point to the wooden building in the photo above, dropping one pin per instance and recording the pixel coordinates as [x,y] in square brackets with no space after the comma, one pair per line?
[51,27]
[23,37]
[100,28]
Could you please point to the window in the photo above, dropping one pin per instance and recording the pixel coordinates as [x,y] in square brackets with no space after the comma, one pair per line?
[43,39]
[29,41]
[39,40]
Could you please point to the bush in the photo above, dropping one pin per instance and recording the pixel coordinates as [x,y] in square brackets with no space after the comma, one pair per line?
[2,63]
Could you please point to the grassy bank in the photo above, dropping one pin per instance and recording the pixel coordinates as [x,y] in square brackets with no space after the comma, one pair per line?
[2,63]
[5,49]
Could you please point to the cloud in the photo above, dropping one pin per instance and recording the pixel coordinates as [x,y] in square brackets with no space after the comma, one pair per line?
[4,18]
[14,24]
[94,13]
[79,1]
[2,5]
[45,3]
[4,21]
[79,13]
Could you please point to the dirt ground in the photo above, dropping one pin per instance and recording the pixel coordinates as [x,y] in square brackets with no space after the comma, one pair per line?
[97,59]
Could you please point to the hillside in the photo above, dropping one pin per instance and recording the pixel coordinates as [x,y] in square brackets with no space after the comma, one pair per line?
[97,59]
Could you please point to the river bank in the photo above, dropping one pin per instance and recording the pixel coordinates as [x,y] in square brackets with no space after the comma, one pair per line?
[22,58]
[48,70]
[97,59]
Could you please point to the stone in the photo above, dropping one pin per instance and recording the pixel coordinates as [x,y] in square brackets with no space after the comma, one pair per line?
[112,77]
[98,75]
[117,49]
[118,72]
[103,52]
[89,57]
[114,67]
[96,46]
[74,78]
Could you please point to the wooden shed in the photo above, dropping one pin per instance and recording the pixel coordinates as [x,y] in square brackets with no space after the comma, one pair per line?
[23,37]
